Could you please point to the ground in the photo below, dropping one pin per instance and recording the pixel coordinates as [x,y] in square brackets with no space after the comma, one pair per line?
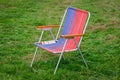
[100,46]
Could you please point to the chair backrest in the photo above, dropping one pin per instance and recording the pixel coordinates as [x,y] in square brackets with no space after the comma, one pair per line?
[76,21]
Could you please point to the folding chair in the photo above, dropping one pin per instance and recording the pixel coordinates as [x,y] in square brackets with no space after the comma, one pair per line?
[75,23]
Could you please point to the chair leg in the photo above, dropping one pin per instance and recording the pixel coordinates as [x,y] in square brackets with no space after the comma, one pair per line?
[37,48]
[83,58]
[81,54]
[61,55]
[34,56]
[58,63]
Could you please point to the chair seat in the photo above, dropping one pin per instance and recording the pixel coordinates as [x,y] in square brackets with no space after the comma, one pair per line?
[58,46]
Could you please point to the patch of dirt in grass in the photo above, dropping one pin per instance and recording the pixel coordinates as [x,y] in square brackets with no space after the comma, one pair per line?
[104,26]
[3,6]
[111,37]
[39,56]
[113,24]
[93,28]
[30,56]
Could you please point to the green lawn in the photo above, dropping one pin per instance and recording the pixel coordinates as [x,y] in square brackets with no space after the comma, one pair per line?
[101,46]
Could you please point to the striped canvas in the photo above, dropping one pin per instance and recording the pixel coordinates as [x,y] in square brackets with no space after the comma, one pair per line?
[74,23]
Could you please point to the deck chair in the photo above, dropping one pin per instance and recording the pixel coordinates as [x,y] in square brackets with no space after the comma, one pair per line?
[75,23]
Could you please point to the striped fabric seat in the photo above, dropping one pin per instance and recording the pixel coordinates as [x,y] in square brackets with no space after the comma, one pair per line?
[74,24]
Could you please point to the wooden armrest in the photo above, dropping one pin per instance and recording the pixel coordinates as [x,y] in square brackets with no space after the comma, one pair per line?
[47,27]
[71,35]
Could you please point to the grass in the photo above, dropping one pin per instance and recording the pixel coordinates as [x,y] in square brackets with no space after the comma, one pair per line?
[101,46]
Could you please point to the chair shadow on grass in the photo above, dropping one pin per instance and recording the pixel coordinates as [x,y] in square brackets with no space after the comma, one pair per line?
[72,62]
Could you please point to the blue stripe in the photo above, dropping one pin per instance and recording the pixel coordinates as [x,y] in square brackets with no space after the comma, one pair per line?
[69,20]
